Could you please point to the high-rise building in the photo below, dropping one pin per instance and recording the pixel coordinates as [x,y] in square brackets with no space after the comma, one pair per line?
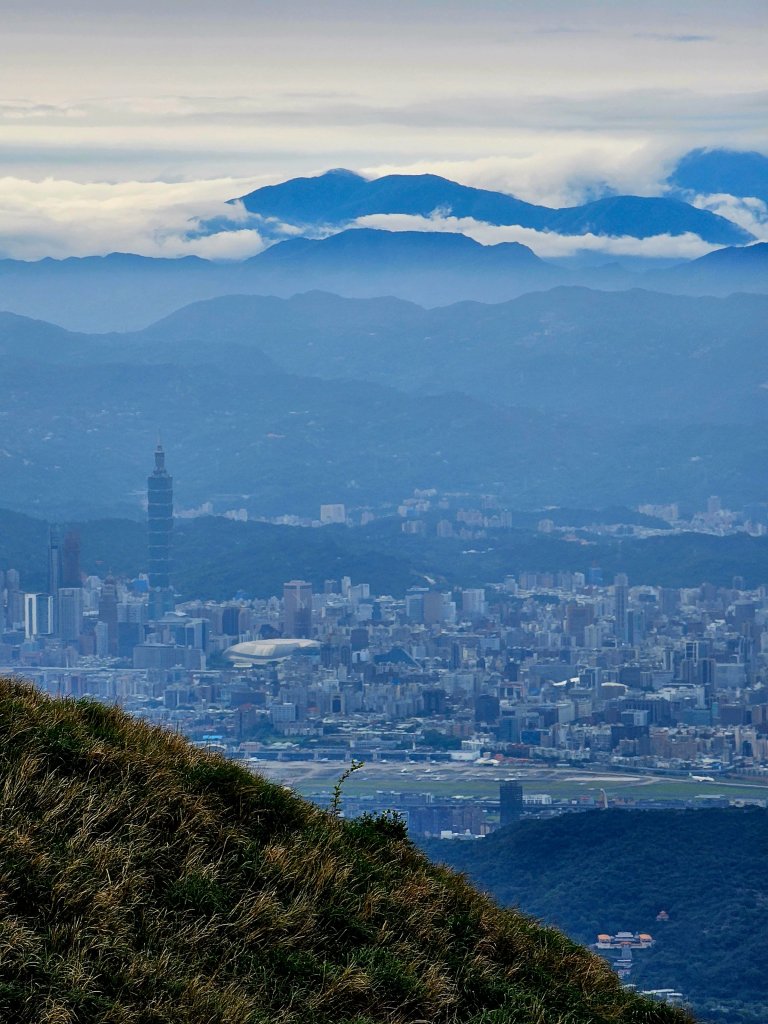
[55,573]
[70,560]
[160,531]
[620,600]
[297,609]
[101,640]
[577,618]
[14,600]
[473,602]
[332,514]
[108,615]
[70,601]
[230,620]
[38,615]
[510,802]
[433,608]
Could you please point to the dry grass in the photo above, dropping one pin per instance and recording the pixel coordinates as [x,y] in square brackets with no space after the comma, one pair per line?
[145,882]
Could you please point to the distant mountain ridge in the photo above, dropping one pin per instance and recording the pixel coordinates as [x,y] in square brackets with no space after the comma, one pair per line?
[125,292]
[735,268]
[340,197]
[374,245]
[557,351]
[563,396]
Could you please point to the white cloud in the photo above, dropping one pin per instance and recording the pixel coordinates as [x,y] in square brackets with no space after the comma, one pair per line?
[556,171]
[545,243]
[751,214]
[65,218]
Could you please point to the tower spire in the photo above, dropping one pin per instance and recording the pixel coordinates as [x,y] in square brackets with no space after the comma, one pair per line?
[160,530]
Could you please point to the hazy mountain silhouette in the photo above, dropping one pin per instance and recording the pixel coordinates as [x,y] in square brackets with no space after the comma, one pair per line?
[124,292]
[722,272]
[567,396]
[561,350]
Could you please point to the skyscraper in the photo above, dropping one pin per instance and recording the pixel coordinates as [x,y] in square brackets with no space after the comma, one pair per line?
[38,615]
[297,609]
[510,802]
[108,614]
[70,601]
[620,598]
[160,530]
[14,600]
[55,573]
[70,560]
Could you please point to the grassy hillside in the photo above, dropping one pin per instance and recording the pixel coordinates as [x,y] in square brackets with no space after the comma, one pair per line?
[615,870]
[144,881]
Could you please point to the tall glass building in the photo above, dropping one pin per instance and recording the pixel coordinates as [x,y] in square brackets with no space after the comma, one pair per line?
[55,574]
[160,530]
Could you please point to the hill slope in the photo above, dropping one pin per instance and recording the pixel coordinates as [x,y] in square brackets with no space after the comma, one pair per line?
[145,881]
[722,272]
[615,870]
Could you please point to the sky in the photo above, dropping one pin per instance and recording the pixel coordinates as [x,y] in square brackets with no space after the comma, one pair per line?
[119,122]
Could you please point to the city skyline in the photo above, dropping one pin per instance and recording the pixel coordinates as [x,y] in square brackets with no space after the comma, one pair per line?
[384,495]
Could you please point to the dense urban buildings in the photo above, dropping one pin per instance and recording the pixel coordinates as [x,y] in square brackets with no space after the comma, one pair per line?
[536,677]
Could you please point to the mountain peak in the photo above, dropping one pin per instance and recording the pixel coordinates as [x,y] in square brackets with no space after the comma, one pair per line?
[342,173]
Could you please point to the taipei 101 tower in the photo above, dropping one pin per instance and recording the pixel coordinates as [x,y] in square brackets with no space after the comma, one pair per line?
[160,530]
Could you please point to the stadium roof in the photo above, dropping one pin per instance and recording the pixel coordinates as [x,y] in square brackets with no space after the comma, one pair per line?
[255,652]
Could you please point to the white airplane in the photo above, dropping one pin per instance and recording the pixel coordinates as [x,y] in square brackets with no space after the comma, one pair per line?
[702,778]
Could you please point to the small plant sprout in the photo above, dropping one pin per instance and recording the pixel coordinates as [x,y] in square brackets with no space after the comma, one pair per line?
[335,805]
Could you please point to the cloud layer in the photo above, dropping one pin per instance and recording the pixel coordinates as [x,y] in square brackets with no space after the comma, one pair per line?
[65,218]
[546,244]
[61,218]
[557,172]
[183,89]
[751,214]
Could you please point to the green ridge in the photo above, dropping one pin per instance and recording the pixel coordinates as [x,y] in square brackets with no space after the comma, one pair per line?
[142,880]
[614,870]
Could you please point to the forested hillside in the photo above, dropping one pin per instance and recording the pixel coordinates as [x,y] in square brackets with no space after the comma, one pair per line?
[609,871]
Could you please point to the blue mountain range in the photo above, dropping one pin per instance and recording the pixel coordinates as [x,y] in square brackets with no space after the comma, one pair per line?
[339,197]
